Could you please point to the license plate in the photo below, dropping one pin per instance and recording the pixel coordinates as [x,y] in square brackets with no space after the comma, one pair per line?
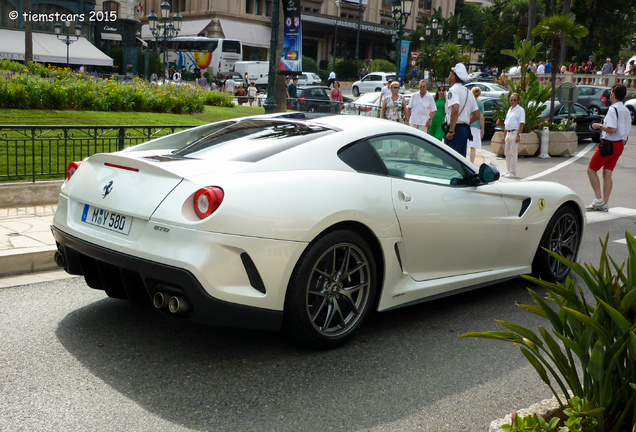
[107,219]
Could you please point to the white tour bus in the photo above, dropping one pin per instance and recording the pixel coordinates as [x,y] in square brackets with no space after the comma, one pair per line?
[216,56]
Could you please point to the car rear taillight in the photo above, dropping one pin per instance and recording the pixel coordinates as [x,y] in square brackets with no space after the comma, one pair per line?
[365,108]
[207,200]
[605,100]
[72,167]
[302,100]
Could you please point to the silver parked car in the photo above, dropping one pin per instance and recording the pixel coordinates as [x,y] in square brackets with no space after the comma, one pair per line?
[489,89]
[366,105]
[595,98]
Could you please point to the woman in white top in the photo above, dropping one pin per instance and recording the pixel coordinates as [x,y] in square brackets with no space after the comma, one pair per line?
[393,107]
[251,92]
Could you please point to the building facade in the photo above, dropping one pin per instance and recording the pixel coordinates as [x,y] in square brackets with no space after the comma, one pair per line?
[249,21]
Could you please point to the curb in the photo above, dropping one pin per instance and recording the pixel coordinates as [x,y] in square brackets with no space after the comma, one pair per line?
[33,260]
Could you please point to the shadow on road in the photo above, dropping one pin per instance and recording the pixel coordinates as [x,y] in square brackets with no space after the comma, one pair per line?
[221,379]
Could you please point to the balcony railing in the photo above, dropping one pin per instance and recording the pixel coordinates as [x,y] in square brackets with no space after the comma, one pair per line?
[44,152]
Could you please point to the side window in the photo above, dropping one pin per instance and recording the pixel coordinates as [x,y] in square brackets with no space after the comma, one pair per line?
[361,157]
[416,159]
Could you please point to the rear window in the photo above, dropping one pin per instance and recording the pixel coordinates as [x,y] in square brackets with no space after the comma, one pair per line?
[252,140]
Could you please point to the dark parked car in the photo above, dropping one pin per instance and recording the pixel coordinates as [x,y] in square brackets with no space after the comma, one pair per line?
[490,105]
[315,99]
[595,98]
[581,116]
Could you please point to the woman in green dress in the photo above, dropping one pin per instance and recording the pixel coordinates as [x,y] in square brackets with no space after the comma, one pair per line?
[436,125]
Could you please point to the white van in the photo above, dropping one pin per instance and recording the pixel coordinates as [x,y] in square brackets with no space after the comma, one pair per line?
[257,71]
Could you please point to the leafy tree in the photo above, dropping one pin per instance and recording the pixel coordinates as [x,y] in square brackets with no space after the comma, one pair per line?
[556,29]
[524,51]
[448,55]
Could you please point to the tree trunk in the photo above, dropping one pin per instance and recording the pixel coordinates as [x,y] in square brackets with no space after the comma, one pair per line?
[532,19]
[567,7]
[28,35]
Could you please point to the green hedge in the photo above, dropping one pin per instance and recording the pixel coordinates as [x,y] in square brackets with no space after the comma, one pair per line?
[38,87]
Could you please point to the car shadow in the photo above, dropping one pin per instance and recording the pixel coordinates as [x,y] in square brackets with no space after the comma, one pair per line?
[210,378]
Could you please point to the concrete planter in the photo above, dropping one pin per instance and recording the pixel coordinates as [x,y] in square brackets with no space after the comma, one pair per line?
[529,145]
[562,143]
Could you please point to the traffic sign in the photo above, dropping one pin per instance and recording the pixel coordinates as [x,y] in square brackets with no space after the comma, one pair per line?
[413,62]
[414,55]
[567,93]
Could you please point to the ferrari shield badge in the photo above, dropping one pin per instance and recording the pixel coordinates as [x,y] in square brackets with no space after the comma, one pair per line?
[541,204]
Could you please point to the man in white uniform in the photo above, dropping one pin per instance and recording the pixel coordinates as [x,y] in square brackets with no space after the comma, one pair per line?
[385,92]
[513,127]
[421,109]
[461,110]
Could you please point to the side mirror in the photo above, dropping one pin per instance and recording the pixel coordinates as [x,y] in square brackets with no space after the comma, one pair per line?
[488,173]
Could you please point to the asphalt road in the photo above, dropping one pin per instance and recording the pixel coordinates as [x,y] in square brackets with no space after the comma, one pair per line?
[72,359]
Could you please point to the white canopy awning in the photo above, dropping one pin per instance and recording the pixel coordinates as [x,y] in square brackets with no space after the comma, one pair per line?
[188,28]
[250,34]
[48,48]
[111,36]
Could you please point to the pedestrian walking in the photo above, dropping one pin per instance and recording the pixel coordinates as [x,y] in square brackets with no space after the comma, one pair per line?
[335,98]
[421,108]
[615,130]
[436,125]
[229,85]
[461,110]
[394,106]
[331,79]
[292,92]
[476,128]
[513,127]
[251,92]
[385,92]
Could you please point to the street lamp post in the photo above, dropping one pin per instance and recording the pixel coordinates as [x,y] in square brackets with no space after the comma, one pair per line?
[270,101]
[430,57]
[164,31]
[439,30]
[358,32]
[67,38]
[335,37]
[401,12]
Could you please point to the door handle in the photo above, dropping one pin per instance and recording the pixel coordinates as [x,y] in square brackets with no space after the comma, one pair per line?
[404,197]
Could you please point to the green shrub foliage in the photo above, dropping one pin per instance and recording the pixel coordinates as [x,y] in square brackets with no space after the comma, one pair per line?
[591,346]
[39,87]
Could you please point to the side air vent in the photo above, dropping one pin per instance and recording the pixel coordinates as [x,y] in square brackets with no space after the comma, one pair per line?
[524,206]
[397,255]
[252,273]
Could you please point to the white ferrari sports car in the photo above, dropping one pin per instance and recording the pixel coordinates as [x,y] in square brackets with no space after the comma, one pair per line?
[307,226]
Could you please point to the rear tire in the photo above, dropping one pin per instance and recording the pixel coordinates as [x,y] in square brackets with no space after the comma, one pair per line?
[563,237]
[595,110]
[331,292]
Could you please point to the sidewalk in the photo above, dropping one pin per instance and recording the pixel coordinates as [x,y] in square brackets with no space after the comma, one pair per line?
[27,245]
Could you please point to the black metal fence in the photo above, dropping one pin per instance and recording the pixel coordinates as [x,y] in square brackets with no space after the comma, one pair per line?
[44,152]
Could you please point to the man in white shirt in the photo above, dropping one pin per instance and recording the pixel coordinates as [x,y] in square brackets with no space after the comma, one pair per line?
[461,110]
[421,109]
[385,92]
[229,84]
[616,127]
[513,127]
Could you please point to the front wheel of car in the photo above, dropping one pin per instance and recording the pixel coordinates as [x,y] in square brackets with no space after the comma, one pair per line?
[355,91]
[563,237]
[595,110]
[331,292]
